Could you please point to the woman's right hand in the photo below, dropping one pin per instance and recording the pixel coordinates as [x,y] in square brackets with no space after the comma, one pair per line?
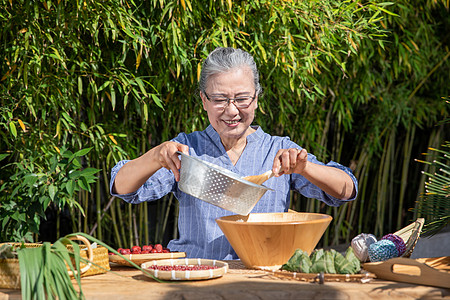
[167,156]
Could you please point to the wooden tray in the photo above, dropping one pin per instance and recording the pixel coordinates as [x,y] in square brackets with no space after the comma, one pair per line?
[142,258]
[313,277]
[187,275]
[425,271]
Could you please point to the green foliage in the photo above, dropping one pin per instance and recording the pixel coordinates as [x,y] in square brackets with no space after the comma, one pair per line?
[351,81]
[54,177]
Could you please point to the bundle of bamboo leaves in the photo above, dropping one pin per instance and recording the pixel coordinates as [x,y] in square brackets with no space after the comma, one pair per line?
[45,271]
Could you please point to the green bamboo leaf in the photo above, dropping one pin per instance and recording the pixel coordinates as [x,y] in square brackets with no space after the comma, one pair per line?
[141,86]
[52,191]
[113,97]
[104,85]
[82,152]
[30,179]
[76,163]
[12,128]
[82,182]
[45,201]
[125,101]
[145,106]
[388,12]
[70,187]
[68,119]
[157,101]
[89,171]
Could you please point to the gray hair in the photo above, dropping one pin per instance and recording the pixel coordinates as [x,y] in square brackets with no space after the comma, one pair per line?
[225,59]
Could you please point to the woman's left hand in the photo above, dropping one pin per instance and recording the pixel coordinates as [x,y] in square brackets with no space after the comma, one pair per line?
[288,161]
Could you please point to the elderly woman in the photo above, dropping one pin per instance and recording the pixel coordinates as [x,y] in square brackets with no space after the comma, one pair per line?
[229,89]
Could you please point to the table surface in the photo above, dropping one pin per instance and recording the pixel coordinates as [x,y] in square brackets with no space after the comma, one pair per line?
[241,283]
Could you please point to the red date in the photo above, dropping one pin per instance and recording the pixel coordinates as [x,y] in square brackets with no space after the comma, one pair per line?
[182,267]
[145,249]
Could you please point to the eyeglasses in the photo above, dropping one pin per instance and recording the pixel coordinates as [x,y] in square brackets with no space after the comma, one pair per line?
[221,102]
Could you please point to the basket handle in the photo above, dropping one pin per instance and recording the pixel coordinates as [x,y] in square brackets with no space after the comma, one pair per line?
[90,254]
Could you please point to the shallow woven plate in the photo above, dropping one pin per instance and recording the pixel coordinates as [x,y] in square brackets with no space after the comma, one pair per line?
[186,275]
[142,258]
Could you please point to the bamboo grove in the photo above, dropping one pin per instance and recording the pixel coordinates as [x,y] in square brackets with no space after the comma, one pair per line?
[87,83]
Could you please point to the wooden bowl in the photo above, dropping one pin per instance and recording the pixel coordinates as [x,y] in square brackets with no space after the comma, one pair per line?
[268,240]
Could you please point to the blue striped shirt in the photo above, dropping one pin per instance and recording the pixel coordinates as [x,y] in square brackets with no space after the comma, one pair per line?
[199,234]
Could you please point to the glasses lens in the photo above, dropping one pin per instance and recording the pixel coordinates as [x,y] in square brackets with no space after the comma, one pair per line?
[219,103]
[222,102]
[243,102]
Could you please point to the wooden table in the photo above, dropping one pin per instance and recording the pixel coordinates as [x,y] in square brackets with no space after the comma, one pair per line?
[242,284]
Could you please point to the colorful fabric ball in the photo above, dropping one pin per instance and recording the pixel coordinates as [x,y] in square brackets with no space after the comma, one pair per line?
[398,241]
[360,245]
[382,250]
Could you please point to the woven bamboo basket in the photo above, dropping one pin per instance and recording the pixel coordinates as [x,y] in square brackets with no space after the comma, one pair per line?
[410,235]
[10,270]
[100,262]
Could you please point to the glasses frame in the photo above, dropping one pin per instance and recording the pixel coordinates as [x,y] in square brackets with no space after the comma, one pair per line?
[232,99]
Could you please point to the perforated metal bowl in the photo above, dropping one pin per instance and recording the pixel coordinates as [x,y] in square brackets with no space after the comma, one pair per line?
[218,186]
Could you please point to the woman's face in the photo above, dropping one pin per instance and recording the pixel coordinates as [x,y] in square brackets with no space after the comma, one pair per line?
[231,123]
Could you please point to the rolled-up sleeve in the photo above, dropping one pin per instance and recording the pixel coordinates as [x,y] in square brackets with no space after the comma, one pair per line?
[156,187]
[309,190]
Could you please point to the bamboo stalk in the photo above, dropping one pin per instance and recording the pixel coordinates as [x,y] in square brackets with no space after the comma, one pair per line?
[175,220]
[381,186]
[73,219]
[157,225]
[122,224]
[103,214]
[136,235]
[98,208]
[86,210]
[112,209]
[116,229]
[146,224]
[58,223]
[141,222]
[326,236]
[130,224]
[390,184]
[433,141]
[361,174]
[404,179]
[166,216]
[79,218]
[144,206]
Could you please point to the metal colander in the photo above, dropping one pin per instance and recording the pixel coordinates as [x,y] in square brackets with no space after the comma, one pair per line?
[218,186]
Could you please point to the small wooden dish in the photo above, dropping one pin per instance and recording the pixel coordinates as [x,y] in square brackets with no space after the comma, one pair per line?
[186,275]
[142,258]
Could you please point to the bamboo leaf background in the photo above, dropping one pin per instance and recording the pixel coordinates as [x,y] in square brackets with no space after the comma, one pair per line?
[357,82]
